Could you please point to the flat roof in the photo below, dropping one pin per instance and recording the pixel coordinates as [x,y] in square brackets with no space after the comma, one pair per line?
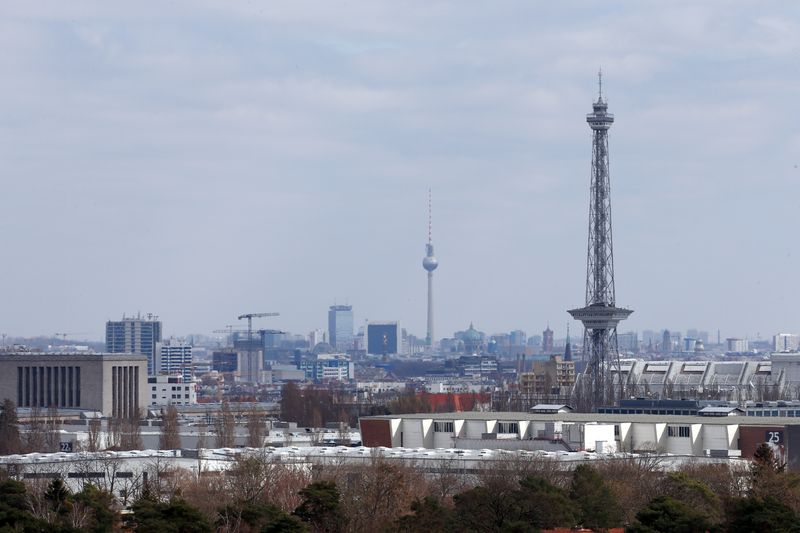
[596,417]
[44,356]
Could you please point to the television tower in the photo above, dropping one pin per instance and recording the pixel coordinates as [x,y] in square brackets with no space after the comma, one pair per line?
[430,263]
[600,316]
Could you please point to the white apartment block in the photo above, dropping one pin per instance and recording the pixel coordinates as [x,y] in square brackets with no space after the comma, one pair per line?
[171,390]
[173,357]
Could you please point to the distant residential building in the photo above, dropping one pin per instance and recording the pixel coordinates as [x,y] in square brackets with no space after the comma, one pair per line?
[174,356]
[666,342]
[785,342]
[315,337]
[554,377]
[675,339]
[499,344]
[114,384]
[628,342]
[272,338]
[735,345]
[171,390]
[517,338]
[689,344]
[547,341]
[476,366]
[250,366]
[340,327]
[135,336]
[328,367]
[225,361]
[383,338]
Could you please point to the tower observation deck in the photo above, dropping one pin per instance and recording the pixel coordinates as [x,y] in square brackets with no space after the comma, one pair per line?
[600,316]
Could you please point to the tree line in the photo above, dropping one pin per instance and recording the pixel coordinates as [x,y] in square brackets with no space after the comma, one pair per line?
[518,493]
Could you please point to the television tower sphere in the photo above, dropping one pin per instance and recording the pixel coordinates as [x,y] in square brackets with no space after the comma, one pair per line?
[430,262]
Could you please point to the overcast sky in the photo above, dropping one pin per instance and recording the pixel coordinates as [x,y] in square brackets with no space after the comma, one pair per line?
[199,160]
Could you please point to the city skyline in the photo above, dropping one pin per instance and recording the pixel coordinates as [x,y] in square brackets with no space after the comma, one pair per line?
[277,157]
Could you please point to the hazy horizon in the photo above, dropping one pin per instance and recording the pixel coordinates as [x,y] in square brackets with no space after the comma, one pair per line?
[199,161]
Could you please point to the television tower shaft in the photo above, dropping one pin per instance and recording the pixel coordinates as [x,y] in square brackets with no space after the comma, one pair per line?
[600,316]
[430,263]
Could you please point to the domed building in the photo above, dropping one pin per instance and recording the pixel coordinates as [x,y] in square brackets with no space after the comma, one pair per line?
[473,340]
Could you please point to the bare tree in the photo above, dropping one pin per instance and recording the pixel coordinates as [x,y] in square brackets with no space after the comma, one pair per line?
[52,430]
[375,495]
[256,427]
[202,431]
[170,438]
[35,436]
[225,426]
[9,429]
[131,435]
[93,434]
[114,433]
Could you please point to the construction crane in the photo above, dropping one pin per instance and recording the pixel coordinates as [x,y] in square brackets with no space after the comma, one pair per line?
[65,335]
[250,317]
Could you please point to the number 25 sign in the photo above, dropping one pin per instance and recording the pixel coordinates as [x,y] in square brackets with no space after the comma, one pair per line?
[774,437]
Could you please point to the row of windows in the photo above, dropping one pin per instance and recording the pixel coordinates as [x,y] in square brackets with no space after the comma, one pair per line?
[679,431]
[174,388]
[791,413]
[443,427]
[507,427]
[502,427]
[174,396]
[619,411]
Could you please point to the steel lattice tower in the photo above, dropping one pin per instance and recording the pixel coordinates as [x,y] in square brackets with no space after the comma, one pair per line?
[600,316]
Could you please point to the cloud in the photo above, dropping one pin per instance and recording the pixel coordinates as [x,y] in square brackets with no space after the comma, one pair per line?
[199,158]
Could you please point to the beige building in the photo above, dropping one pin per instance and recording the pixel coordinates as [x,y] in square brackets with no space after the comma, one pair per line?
[114,384]
[550,379]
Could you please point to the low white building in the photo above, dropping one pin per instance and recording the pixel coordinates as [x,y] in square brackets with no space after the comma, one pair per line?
[171,390]
[697,436]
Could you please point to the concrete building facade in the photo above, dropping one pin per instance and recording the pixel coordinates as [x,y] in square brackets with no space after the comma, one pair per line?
[114,384]
[697,436]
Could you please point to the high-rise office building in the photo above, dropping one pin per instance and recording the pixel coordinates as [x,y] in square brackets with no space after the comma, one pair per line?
[383,338]
[518,338]
[340,327]
[666,342]
[135,335]
[174,357]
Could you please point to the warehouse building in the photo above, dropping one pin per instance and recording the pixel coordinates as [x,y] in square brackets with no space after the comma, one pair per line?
[702,435]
